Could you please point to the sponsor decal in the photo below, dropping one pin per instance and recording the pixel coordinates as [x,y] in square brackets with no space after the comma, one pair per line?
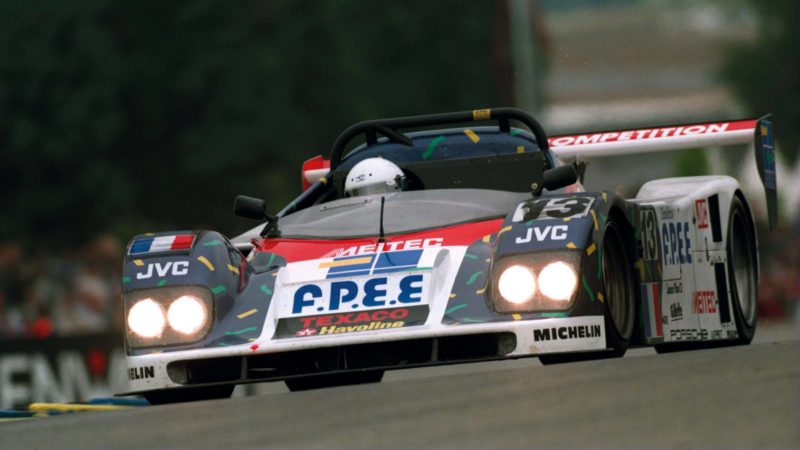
[161,244]
[769,154]
[649,227]
[653,325]
[564,333]
[359,294]
[704,302]
[732,334]
[410,244]
[667,213]
[716,334]
[550,232]
[378,315]
[676,242]
[378,319]
[141,373]
[174,268]
[554,208]
[636,135]
[675,287]
[684,334]
[675,311]
[375,263]
[701,213]
[333,329]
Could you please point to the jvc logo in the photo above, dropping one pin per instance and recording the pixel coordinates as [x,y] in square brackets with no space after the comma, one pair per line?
[375,292]
[176,268]
[555,233]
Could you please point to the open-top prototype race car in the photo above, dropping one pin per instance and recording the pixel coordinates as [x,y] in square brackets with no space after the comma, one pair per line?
[452,244]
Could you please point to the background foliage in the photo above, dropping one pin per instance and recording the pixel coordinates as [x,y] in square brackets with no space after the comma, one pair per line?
[132,116]
[137,116]
[765,74]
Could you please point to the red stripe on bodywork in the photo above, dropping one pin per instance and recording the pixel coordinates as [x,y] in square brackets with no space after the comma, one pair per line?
[657,310]
[304,249]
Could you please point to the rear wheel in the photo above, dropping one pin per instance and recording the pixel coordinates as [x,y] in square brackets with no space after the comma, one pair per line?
[619,303]
[339,379]
[742,271]
[189,394]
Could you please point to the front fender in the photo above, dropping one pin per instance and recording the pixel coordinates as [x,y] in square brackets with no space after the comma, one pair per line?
[241,292]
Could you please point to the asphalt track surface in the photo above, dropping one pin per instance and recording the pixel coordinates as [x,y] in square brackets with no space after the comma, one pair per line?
[735,397]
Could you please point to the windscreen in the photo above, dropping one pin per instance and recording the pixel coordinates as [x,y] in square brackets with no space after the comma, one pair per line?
[403,212]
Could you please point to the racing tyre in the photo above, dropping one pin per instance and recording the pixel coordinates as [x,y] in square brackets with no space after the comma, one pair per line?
[339,379]
[742,271]
[189,394]
[619,305]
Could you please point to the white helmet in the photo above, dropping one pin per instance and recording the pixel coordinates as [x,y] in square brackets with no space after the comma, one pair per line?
[373,176]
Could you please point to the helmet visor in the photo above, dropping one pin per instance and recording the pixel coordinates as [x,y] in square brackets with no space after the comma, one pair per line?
[377,188]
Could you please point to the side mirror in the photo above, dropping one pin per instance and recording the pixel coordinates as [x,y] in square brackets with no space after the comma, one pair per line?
[250,207]
[559,177]
[255,208]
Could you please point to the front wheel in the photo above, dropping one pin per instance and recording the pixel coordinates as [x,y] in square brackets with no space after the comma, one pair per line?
[619,306]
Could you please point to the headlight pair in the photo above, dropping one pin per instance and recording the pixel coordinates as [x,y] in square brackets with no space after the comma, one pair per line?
[535,282]
[163,316]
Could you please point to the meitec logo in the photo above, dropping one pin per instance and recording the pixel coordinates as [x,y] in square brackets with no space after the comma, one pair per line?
[176,269]
[704,302]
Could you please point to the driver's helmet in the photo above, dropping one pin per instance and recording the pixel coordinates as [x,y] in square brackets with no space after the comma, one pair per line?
[374,176]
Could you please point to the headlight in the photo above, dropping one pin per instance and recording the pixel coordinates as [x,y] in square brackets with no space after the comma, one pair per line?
[146,318]
[187,314]
[534,282]
[517,284]
[168,315]
[558,281]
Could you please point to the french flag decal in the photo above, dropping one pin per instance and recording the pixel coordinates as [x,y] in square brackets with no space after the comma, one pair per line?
[652,309]
[161,244]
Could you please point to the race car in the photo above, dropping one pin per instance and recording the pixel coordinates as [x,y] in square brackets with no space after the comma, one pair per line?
[443,239]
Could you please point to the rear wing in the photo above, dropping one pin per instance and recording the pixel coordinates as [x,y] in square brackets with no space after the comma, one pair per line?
[680,137]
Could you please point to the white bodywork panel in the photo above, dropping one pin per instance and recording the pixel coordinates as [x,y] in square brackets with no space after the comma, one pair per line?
[683,266]
[689,293]
[533,337]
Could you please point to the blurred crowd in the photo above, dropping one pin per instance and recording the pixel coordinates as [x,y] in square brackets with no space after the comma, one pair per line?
[48,294]
[779,287]
[45,295]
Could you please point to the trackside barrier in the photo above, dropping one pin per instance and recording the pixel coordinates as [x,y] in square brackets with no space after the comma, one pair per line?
[61,370]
